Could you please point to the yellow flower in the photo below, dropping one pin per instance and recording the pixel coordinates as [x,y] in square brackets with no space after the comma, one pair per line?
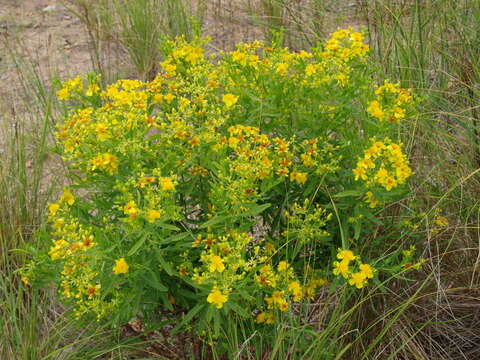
[102,131]
[92,290]
[260,318]
[213,84]
[269,248]
[145,180]
[121,266]
[270,318]
[92,90]
[216,264]
[346,255]
[169,98]
[269,301]
[389,183]
[278,299]
[372,152]
[356,37]
[169,69]
[87,242]
[341,268]
[194,55]
[296,290]
[282,68]
[370,200]
[358,279]
[441,221]
[332,44]
[283,306]
[282,266]
[360,173]
[106,162]
[310,70]
[217,298]
[158,98]
[239,57]
[342,78]
[63,94]
[366,163]
[393,168]
[229,100]
[53,208]
[304,54]
[67,197]
[232,142]
[153,215]
[381,174]
[130,209]
[58,250]
[375,110]
[367,270]
[167,184]
[299,177]
[398,114]
[283,171]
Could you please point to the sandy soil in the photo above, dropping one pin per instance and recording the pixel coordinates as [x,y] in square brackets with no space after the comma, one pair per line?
[45,34]
[52,44]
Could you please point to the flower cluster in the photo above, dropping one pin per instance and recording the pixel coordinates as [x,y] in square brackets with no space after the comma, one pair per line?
[213,187]
[351,268]
[71,86]
[345,44]
[224,261]
[383,164]
[73,246]
[282,287]
[391,103]
[74,88]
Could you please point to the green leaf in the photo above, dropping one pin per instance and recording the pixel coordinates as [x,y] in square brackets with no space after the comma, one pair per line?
[267,186]
[255,210]
[348,193]
[165,265]
[187,293]
[137,245]
[370,216]
[246,295]
[165,301]
[358,224]
[175,238]
[154,281]
[379,284]
[238,309]
[310,188]
[357,229]
[209,314]
[216,323]
[204,319]
[215,220]
[168,226]
[196,309]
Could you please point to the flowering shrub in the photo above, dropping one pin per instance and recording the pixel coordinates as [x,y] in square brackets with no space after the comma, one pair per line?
[236,182]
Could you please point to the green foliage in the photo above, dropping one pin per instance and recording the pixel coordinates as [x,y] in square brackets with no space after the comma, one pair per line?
[230,189]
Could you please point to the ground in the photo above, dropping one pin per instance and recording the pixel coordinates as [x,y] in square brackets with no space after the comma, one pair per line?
[42,31]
